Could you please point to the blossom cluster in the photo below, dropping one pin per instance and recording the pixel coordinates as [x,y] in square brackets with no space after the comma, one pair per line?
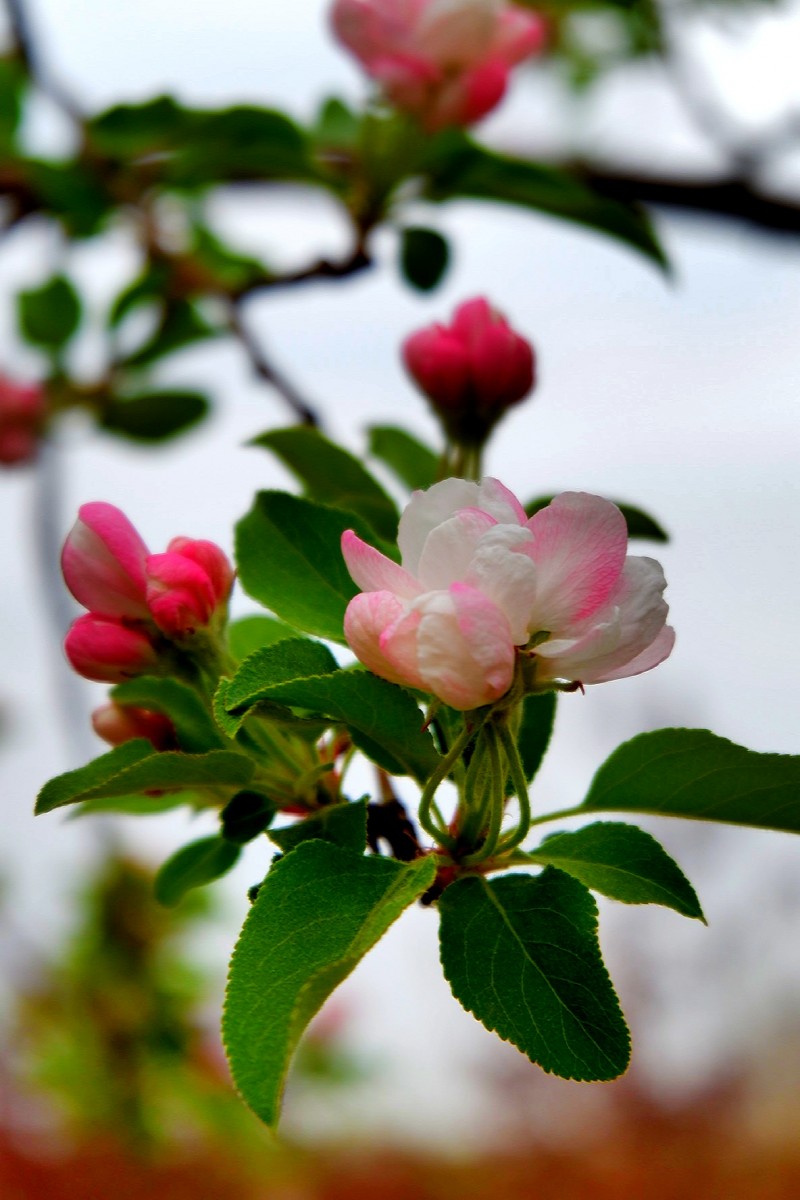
[137,602]
[445,63]
[483,587]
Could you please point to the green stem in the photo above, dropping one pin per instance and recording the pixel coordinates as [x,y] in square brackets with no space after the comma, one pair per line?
[520,785]
[496,795]
[576,811]
[428,811]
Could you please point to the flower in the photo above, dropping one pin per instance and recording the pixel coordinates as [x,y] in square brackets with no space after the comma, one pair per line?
[187,585]
[109,651]
[471,370]
[481,585]
[23,409]
[136,598]
[444,61]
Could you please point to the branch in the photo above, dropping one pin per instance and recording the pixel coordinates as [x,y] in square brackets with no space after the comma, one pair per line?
[27,50]
[731,198]
[300,408]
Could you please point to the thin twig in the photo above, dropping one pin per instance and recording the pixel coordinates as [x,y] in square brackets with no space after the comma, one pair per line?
[26,48]
[265,370]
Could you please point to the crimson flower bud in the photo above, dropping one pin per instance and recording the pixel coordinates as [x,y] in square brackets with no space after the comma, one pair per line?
[187,585]
[103,562]
[471,371]
[23,409]
[107,650]
[118,723]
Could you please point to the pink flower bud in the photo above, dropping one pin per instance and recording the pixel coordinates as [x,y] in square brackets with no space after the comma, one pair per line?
[118,723]
[23,409]
[103,562]
[108,651]
[444,61]
[472,370]
[483,587]
[187,586]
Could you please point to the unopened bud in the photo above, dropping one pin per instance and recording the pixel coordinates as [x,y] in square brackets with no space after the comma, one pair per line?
[108,651]
[119,723]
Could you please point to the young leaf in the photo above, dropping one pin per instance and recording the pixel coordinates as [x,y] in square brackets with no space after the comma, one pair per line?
[153,416]
[290,659]
[194,728]
[343,824]
[216,771]
[319,911]
[521,954]
[457,167]
[384,720]
[424,257]
[192,866]
[249,634]
[72,785]
[288,552]
[332,476]
[640,525]
[406,457]
[623,862]
[49,315]
[693,773]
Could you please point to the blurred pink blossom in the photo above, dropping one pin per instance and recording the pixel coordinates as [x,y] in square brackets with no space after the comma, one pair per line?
[445,61]
[23,409]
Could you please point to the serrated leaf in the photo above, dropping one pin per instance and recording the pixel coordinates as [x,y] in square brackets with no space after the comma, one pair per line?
[458,167]
[623,862]
[141,805]
[193,866]
[693,773]
[214,772]
[277,664]
[69,787]
[332,476]
[319,911]
[521,954]
[424,257]
[640,524]
[49,315]
[194,728]
[343,824]
[249,634]
[406,457]
[153,416]
[288,553]
[384,720]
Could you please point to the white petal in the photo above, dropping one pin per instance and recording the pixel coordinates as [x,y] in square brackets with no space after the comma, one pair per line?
[426,510]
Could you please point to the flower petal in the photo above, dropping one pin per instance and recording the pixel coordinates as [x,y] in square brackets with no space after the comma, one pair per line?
[579,546]
[103,562]
[425,510]
[449,548]
[373,571]
[464,647]
[382,635]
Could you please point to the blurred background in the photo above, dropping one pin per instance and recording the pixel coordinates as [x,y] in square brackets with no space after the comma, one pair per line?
[677,394]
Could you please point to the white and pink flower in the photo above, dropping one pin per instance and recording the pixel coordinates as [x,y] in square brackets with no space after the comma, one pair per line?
[445,61]
[480,582]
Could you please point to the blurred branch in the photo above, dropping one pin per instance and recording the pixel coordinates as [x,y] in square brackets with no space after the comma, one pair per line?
[265,370]
[27,50]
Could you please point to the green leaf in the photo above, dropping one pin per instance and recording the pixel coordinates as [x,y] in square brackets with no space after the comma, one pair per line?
[457,168]
[71,192]
[424,257]
[148,287]
[49,315]
[142,805]
[413,463]
[693,773]
[288,552]
[384,720]
[319,911]
[337,127]
[332,476]
[640,525]
[240,143]
[132,130]
[193,866]
[71,786]
[521,954]
[181,325]
[623,862]
[154,416]
[245,816]
[286,660]
[13,84]
[194,728]
[214,773]
[249,634]
[343,824]
[535,731]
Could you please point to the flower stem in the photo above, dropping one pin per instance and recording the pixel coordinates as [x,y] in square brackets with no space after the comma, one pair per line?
[520,785]
[429,814]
